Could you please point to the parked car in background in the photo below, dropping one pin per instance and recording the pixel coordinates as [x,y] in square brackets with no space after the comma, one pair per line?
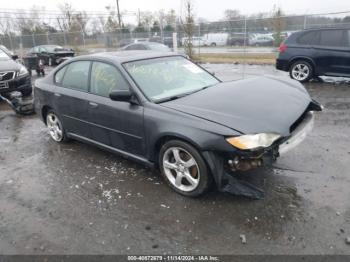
[13,76]
[238,39]
[215,39]
[195,41]
[168,40]
[162,110]
[261,40]
[316,52]
[147,46]
[52,54]
[128,41]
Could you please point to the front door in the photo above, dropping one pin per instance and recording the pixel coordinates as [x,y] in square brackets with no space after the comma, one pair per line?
[113,123]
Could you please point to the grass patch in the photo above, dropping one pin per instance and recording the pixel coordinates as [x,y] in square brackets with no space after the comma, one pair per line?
[248,58]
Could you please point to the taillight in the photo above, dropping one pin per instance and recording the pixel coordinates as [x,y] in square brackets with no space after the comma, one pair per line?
[282,48]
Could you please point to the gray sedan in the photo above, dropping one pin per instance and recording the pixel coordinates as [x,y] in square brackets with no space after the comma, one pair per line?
[164,111]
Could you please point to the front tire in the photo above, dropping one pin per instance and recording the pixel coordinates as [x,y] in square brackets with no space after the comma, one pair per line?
[184,169]
[301,71]
[56,130]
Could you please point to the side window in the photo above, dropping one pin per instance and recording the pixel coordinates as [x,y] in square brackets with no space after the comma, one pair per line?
[76,76]
[309,38]
[59,75]
[106,78]
[332,38]
[36,49]
[348,37]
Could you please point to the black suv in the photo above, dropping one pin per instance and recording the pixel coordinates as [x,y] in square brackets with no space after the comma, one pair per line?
[315,52]
[13,75]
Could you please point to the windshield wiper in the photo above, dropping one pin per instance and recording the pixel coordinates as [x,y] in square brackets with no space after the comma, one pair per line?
[167,99]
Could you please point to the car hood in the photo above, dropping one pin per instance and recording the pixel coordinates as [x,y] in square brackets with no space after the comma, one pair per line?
[249,106]
[9,65]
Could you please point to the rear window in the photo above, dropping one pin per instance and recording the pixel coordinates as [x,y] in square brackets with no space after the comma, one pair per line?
[309,38]
[59,75]
[76,75]
[333,38]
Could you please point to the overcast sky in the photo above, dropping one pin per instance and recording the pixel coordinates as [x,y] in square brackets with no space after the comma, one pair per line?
[209,9]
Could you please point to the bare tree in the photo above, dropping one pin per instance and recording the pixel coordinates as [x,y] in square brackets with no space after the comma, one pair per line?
[278,24]
[147,19]
[82,19]
[111,24]
[170,20]
[65,20]
[96,25]
[29,22]
[188,28]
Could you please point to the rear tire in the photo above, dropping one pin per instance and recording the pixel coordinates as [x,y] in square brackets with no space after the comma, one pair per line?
[56,130]
[301,71]
[184,169]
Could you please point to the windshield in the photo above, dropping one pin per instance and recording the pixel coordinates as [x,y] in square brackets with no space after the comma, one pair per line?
[161,79]
[3,55]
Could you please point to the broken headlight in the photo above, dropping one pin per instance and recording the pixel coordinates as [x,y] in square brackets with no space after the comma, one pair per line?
[253,141]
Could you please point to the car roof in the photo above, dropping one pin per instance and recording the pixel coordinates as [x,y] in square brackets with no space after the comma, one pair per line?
[132,55]
[146,43]
[46,45]
[326,28]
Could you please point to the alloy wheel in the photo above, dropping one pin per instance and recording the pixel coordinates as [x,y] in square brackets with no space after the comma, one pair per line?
[55,127]
[181,169]
[300,71]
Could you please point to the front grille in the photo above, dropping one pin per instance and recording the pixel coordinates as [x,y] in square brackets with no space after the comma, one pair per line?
[9,75]
[3,85]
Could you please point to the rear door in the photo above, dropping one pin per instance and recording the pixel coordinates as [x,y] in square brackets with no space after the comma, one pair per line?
[70,97]
[113,123]
[333,52]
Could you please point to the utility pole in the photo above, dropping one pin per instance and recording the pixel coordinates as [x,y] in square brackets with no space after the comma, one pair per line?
[139,17]
[119,18]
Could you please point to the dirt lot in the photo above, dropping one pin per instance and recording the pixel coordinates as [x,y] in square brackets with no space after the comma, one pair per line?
[77,199]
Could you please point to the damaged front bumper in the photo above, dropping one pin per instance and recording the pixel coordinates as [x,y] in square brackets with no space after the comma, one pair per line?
[224,165]
[18,84]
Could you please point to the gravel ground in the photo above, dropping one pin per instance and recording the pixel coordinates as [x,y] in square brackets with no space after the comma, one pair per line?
[77,199]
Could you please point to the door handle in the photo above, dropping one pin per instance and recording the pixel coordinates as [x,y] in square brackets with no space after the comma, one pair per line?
[92,104]
[57,95]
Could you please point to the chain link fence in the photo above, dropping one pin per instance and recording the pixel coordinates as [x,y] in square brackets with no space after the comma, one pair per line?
[222,39]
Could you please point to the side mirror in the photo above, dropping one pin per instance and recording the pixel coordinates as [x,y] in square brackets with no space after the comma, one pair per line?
[121,95]
[14,57]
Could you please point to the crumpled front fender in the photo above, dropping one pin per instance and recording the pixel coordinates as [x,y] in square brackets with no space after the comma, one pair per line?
[226,182]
